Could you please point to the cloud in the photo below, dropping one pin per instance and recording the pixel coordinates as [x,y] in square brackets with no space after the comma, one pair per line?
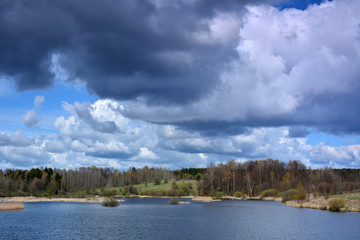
[336,156]
[232,80]
[25,156]
[132,46]
[230,66]
[290,67]
[83,111]
[38,101]
[77,143]
[202,156]
[31,118]
[15,139]
[298,132]
[145,153]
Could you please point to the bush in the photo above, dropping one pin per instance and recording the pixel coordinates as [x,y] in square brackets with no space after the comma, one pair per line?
[157,181]
[174,201]
[108,192]
[218,195]
[269,193]
[336,204]
[300,192]
[288,195]
[183,188]
[174,186]
[110,202]
[239,194]
[133,190]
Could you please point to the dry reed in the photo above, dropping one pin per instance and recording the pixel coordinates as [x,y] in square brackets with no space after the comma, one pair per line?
[8,206]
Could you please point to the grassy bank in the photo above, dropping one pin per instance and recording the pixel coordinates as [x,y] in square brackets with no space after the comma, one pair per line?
[347,202]
[182,188]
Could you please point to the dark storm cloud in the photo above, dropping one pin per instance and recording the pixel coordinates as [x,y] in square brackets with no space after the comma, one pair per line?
[214,128]
[121,49]
[298,132]
[333,113]
[115,155]
[165,53]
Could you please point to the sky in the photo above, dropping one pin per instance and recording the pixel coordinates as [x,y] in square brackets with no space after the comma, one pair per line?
[182,83]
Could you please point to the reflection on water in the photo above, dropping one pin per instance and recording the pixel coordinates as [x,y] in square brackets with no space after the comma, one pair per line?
[156,219]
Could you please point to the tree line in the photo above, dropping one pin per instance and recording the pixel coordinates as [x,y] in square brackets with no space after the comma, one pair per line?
[48,181]
[253,177]
[249,178]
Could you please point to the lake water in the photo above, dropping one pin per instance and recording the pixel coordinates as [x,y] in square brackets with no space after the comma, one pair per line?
[156,219]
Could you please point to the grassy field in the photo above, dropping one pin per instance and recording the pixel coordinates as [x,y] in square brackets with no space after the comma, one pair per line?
[152,187]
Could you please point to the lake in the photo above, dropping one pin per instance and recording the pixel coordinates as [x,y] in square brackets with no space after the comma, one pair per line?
[156,219]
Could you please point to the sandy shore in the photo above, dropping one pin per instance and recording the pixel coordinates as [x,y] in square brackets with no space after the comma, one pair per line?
[276,199]
[203,199]
[44,199]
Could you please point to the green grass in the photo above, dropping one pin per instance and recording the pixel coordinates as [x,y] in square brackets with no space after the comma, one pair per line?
[152,187]
[349,196]
[162,186]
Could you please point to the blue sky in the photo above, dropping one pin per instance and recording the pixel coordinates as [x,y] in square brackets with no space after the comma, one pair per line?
[241,80]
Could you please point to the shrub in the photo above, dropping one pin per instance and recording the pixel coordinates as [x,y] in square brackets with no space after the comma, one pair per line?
[218,195]
[110,202]
[174,201]
[269,193]
[288,195]
[323,188]
[183,188]
[238,194]
[300,192]
[174,186]
[157,181]
[125,190]
[133,190]
[336,204]
[108,192]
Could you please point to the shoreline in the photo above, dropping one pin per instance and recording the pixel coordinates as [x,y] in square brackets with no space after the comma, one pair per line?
[319,203]
[45,199]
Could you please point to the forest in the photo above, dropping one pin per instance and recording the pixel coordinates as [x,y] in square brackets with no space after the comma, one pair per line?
[249,178]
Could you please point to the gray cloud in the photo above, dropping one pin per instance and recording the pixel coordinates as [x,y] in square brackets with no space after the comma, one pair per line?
[15,139]
[31,118]
[77,143]
[215,63]
[291,68]
[298,132]
[214,72]
[123,50]
[83,111]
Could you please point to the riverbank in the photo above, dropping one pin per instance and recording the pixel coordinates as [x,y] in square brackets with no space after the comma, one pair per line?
[351,202]
[94,199]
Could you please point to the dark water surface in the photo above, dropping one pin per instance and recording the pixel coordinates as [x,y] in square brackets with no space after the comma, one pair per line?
[156,219]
